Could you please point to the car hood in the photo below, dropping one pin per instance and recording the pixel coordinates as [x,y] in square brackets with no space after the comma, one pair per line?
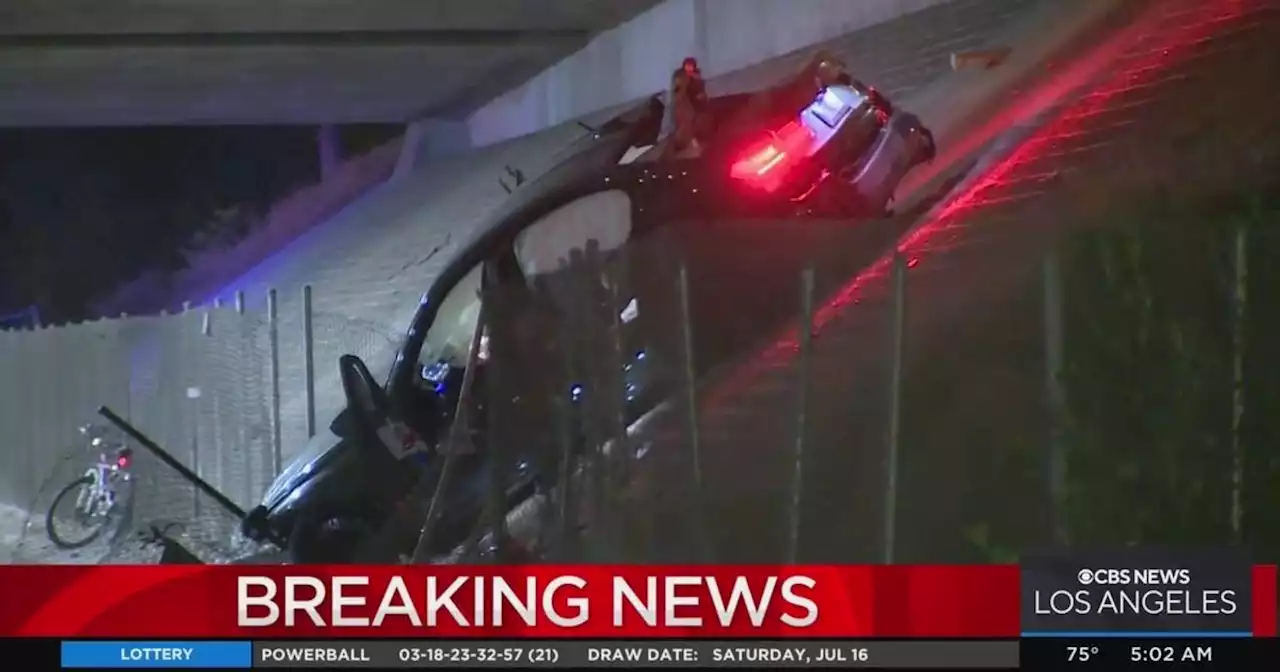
[301,468]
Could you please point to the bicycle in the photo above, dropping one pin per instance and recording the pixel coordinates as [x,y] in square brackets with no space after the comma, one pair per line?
[101,496]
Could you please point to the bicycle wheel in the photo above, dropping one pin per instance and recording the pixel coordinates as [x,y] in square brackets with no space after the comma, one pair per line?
[61,527]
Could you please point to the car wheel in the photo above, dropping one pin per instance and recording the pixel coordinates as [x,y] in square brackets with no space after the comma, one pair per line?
[928,148]
[332,538]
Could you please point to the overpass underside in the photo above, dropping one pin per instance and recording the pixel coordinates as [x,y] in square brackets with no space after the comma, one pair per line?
[83,63]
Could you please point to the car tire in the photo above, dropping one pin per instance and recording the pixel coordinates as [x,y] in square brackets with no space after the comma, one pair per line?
[255,526]
[328,538]
[928,148]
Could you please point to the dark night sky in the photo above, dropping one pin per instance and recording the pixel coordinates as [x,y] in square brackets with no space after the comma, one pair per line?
[82,210]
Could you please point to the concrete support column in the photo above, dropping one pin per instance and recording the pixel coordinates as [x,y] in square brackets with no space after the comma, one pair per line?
[329,144]
[427,139]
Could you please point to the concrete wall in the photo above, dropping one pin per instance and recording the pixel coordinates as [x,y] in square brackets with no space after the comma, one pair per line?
[427,139]
[636,58]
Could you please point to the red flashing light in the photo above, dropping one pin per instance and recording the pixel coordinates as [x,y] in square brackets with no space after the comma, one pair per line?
[765,164]
[123,461]
[768,159]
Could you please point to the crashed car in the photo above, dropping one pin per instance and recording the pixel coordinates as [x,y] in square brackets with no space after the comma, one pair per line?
[830,147]
[822,143]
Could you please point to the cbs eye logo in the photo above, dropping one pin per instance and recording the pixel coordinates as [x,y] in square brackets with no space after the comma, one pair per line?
[1087,577]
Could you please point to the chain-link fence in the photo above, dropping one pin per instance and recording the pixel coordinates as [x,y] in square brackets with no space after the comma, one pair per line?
[672,421]
[223,389]
[619,415]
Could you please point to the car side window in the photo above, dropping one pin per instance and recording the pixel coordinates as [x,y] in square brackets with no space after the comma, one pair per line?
[546,245]
[449,337]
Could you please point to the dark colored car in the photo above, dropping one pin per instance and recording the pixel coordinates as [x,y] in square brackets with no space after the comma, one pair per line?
[841,154]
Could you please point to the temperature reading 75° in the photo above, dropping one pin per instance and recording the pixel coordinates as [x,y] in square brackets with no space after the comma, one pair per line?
[1081,654]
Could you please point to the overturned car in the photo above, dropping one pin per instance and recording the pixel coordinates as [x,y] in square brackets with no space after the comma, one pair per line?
[812,147]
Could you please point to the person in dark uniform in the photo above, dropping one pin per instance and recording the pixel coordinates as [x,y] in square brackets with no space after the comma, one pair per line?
[696,85]
[688,109]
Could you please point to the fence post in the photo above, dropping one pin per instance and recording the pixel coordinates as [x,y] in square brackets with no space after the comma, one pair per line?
[574,487]
[192,385]
[632,531]
[691,412]
[308,359]
[215,429]
[193,395]
[273,338]
[802,402]
[1240,302]
[250,486]
[128,409]
[1056,464]
[458,440]
[897,338]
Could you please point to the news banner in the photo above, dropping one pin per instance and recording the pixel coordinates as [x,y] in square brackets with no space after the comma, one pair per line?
[1210,610]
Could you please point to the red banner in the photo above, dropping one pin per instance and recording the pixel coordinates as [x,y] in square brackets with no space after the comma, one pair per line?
[1264,601]
[183,601]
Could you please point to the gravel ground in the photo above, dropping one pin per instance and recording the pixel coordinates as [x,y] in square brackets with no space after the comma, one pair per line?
[11,520]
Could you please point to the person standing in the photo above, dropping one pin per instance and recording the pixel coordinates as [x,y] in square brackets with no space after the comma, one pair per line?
[688,119]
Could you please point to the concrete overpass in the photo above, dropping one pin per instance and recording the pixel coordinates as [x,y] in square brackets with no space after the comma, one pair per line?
[159,62]
[460,73]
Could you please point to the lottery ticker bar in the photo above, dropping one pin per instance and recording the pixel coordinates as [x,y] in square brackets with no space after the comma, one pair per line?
[549,654]
[1093,651]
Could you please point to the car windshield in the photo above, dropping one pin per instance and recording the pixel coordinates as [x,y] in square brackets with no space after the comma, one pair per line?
[449,336]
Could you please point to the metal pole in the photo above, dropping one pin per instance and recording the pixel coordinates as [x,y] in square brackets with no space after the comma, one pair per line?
[206,331]
[458,440]
[1239,306]
[1056,464]
[572,485]
[897,337]
[309,361]
[219,475]
[802,403]
[128,406]
[250,488]
[691,412]
[193,395]
[497,431]
[562,538]
[164,456]
[273,338]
